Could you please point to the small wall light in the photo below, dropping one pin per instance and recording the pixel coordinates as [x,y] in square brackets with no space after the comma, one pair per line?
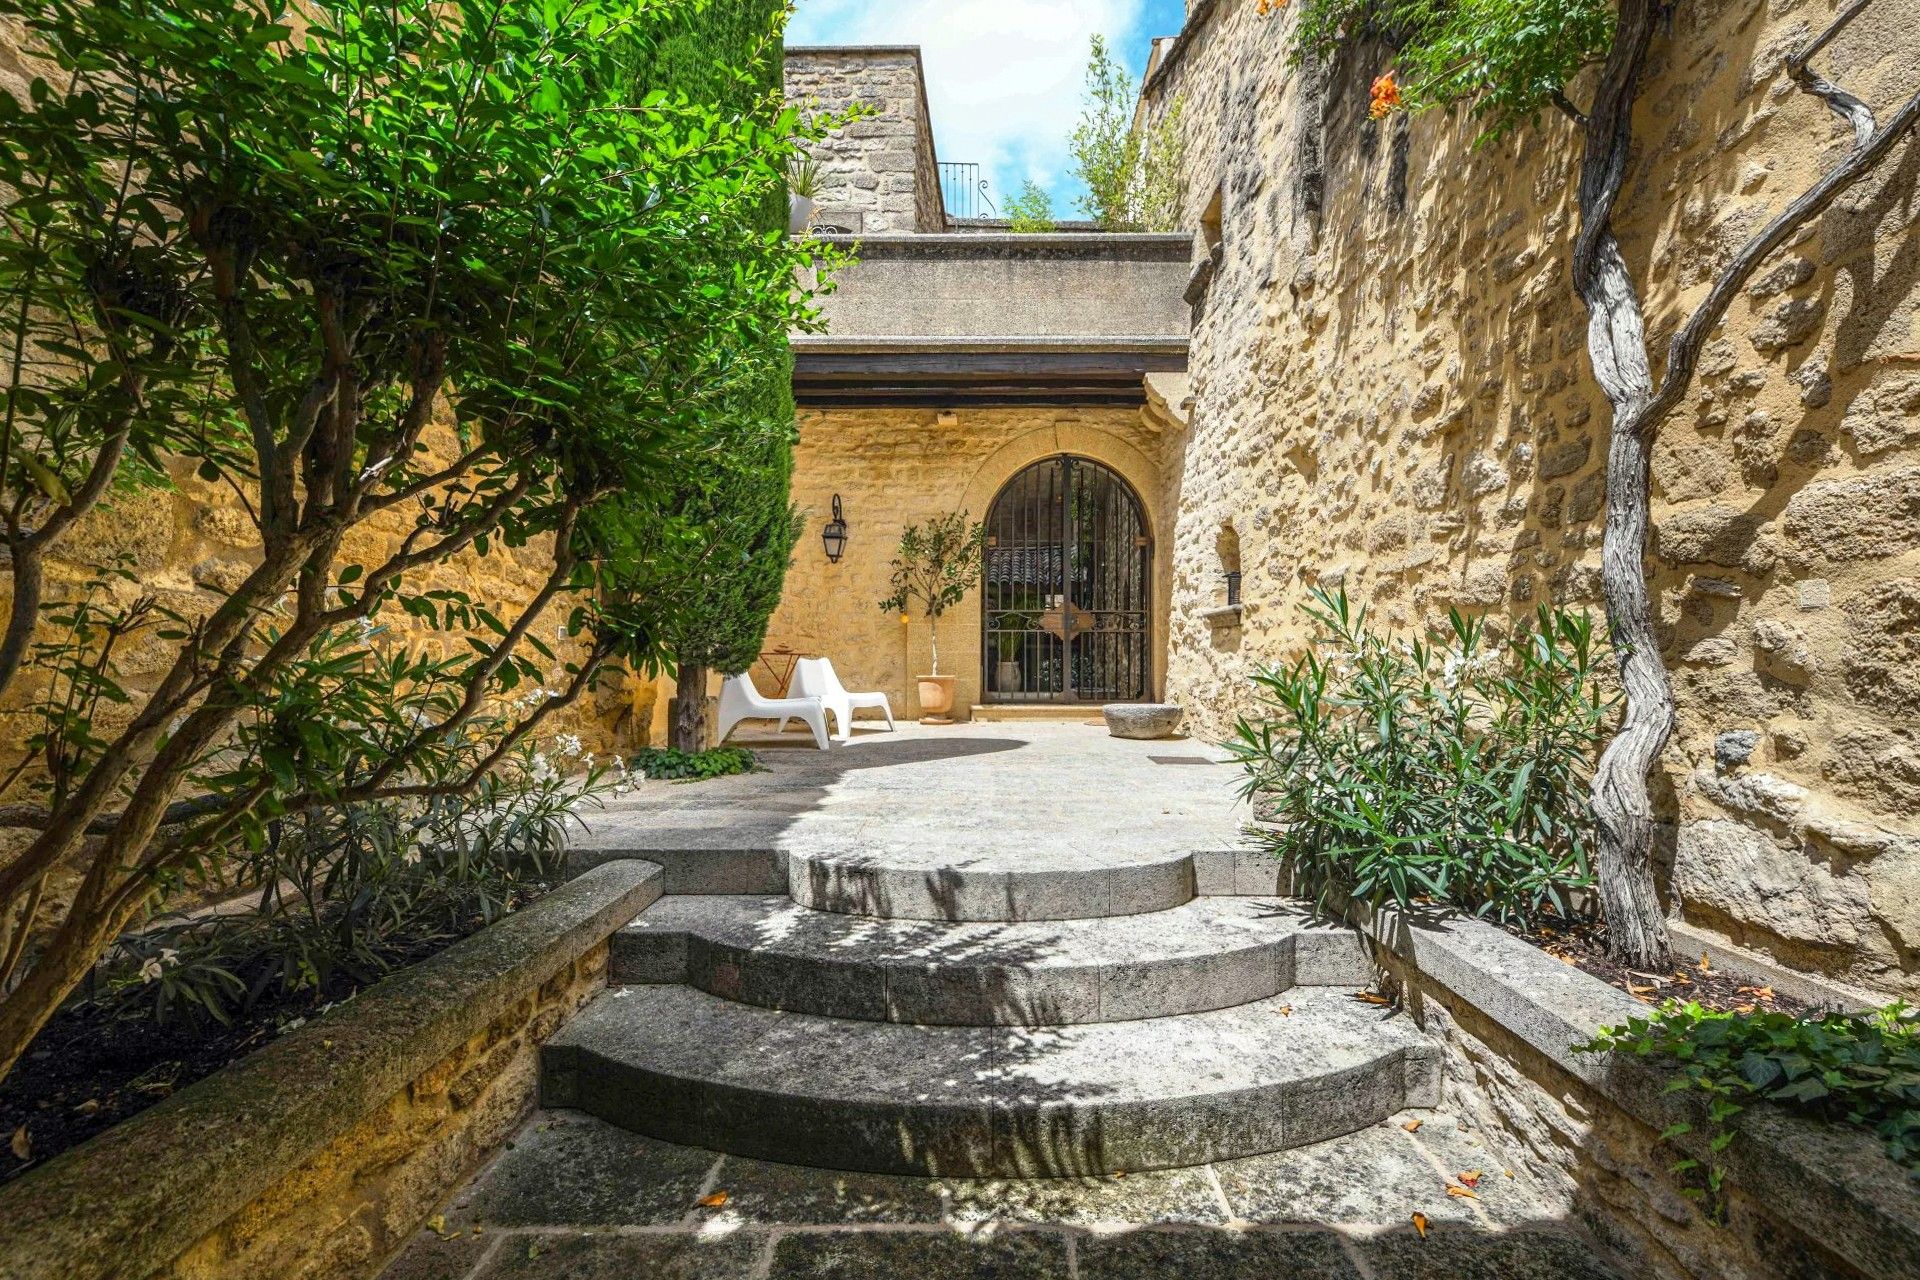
[833,536]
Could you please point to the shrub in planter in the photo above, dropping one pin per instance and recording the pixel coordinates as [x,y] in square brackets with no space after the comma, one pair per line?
[1858,1069]
[692,766]
[1446,769]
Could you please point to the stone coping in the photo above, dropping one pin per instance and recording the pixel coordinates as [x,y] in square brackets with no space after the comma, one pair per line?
[129,1201]
[1134,246]
[1833,1183]
[891,343]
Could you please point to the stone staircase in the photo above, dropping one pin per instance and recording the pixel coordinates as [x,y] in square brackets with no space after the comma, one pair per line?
[1018,1015]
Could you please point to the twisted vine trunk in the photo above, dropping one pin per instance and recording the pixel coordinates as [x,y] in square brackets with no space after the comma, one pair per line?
[1617,346]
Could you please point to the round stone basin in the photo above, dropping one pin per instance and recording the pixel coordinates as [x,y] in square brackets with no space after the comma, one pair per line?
[1142,719]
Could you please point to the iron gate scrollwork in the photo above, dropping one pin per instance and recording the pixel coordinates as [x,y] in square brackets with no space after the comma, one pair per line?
[1065,604]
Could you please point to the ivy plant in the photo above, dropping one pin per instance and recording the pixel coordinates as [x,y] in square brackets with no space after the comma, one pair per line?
[1858,1069]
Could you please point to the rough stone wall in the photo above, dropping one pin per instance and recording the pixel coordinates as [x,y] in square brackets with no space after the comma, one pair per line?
[895,467]
[343,1213]
[877,173]
[1391,392]
[1599,1167]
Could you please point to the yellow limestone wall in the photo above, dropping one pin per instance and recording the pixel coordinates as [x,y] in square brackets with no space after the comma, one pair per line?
[1399,399]
[896,467]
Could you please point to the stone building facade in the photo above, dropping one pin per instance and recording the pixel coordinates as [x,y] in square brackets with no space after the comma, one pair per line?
[1391,393]
[879,172]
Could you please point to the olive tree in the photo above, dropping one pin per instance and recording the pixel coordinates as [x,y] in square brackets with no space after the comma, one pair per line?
[277,241]
[1511,61]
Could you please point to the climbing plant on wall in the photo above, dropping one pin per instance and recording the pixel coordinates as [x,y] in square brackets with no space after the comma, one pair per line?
[1511,63]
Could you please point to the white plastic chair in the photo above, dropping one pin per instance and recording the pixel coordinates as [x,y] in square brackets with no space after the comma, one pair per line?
[739,700]
[816,678]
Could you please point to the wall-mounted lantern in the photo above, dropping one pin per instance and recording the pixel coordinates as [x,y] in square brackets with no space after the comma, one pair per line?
[833,536]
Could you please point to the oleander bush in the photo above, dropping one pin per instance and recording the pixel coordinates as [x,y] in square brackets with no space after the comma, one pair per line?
[1445,769]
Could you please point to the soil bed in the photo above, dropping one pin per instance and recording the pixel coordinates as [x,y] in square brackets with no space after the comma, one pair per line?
[92,1068]
[1582,943]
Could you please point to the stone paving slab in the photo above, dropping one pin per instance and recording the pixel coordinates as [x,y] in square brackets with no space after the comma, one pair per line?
[679,1064]
[575,1199]
[1207,953]
[995,807]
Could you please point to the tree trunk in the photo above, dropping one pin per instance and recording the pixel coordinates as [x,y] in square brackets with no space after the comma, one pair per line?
[933,639]
[687,731]
[1622,802]
[1617,346]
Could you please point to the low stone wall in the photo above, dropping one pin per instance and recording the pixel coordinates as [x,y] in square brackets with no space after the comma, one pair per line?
[320,1154]
[1802,1199]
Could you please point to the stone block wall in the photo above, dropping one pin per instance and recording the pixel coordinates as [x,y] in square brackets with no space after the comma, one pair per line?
[1391,392]
[347,1209]
[878,173]
[896,467]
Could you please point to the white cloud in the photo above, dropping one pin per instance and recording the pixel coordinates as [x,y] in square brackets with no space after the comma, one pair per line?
[1004,77]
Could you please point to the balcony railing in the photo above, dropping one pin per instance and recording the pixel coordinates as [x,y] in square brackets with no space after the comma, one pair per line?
[964,191]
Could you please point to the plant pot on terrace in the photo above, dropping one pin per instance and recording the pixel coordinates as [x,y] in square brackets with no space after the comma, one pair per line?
[939,562]
[936,699]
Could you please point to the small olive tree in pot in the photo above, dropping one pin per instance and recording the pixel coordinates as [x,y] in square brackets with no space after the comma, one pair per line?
[939,562]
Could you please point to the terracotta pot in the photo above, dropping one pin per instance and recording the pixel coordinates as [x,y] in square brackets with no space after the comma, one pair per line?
[936,699]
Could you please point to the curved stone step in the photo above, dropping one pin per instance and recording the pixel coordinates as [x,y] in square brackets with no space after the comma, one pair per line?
[681,1065]
[1207,953]
[934,881]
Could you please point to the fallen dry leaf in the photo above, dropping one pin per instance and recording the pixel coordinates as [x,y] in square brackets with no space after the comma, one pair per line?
[1704,966]
[88,1107]
[1471,1178]
[1371,997]
[437,1224]
[714,1201]
[1639,990]
[22,1144]
[1743,1009]
[1462,1193]
[1412,1126]
[1285,1011]
[1420,1224]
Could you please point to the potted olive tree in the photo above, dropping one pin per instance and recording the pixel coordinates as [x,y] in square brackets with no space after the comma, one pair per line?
[939,562]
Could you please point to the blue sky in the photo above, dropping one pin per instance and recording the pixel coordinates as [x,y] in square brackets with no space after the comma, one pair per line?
[1004,77]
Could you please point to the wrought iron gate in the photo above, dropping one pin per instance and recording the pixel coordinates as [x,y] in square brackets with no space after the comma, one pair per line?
[1065,605]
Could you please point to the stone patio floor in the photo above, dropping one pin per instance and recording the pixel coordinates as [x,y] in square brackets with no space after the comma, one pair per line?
[1034,796]
[575,1199]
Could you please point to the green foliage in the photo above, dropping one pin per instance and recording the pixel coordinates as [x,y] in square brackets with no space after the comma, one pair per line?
[347,892]
[284,243]
[705,558]
[1132,180]
[1446,769]
[1859,1069]
[1505,59]
[694,766]
[1031,211]
[938,564]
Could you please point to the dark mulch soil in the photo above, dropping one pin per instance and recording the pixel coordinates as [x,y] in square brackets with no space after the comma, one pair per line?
[89,1070]
[1583,945]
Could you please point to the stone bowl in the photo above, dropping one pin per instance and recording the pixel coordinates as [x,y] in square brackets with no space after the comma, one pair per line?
[1141,719]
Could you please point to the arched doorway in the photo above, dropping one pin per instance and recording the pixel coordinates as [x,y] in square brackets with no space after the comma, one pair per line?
[1066,605]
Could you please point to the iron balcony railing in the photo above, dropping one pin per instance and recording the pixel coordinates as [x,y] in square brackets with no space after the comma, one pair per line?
[964,191]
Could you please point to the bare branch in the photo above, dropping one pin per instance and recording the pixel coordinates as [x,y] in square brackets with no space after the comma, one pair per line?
[1684,351]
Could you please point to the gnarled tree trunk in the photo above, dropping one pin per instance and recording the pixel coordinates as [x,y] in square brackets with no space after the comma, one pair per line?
[687,731]
[1617,345]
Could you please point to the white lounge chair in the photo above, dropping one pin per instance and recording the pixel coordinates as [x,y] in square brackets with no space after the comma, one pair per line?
[739,700]
[816,678]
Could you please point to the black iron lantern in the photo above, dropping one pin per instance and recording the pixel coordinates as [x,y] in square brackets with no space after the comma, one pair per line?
[834,535]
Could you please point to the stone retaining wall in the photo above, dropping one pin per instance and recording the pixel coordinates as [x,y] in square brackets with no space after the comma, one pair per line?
[1391,392]
[1802,1199]
[319,1155]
